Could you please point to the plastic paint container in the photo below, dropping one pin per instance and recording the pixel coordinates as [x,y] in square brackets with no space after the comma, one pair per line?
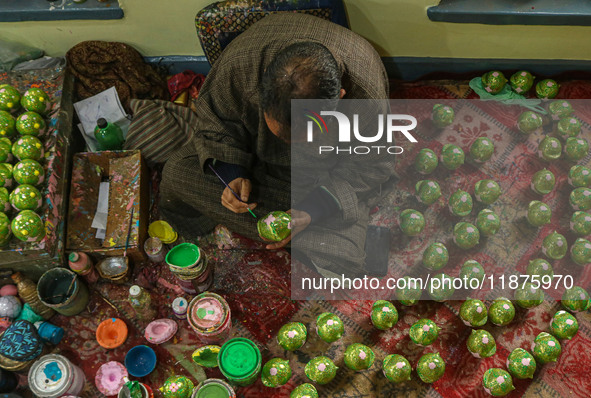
[57,289]
[146,392]
[182,257]
[240,361]
[49,333]
[53,376]
[209,316]
[179,307]
[213,388]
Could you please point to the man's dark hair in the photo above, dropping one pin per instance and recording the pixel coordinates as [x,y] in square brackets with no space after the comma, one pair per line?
[305,70]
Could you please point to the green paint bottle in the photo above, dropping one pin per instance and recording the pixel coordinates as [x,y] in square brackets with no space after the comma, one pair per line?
[108,135]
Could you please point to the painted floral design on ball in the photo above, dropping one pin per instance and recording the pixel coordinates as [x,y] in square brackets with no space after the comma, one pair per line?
[329,327]
[10,98]
[292,336]
[26,197]
[276,372]
[430,367]
[36,100]
[29,172]
[396,368]
[321,370]
[30,123]
[521,364]
[358,357]
[497,382]
[275,226]
[28,147]
[28,226]
[7,124]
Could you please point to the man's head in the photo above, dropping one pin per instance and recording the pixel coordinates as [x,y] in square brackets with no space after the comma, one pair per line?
[304,70]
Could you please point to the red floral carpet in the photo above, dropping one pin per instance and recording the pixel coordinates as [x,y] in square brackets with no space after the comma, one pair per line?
[256,284]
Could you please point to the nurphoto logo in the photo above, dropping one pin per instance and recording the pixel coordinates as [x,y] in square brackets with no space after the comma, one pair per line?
[388,124]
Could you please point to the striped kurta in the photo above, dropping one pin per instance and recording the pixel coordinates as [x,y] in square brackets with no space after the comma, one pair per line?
[230,127]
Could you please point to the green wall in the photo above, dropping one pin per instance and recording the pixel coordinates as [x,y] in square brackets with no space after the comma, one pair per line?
[396,27]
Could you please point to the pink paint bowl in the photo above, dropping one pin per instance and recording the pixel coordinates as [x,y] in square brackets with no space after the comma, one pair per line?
[160,331]
[110,378]
[111,333]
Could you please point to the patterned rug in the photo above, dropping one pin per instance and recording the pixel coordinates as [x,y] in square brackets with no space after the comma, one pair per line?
[256,283]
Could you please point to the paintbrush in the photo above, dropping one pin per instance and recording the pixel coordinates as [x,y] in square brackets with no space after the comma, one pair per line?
[231,190]
[128,233]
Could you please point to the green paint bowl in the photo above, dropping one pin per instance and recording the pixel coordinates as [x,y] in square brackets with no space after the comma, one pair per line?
[183,257]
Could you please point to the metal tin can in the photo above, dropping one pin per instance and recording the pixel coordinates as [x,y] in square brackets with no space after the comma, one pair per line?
[240,361]
[179,307]
[62,290]
[53,376]
[213,388]
[154,249]
[209,316]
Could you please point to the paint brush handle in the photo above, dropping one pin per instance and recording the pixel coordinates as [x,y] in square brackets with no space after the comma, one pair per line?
[231,190]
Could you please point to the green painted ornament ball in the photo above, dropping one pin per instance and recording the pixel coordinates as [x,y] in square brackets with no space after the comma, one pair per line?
[497,382]
[28,171]
[9,98]
[30,123]
[383,315]
[27,147]
[564,325]
[28,226]
[481,343]
[36,100]
[7,124]
[329,327]
[292,336]
[501,311]
[521,364]
[430,367]
[358,357]
[305,390]
[275,226]
[321,370]
[26,197]
[547,89]
[442,115]
[396,368]
[494,81]
[521,81]
[276,372]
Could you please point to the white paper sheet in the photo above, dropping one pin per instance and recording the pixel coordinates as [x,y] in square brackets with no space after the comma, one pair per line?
[105,105]
[102,210]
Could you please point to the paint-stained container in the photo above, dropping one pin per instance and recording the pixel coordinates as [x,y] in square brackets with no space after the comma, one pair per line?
[209,316]
[213,388]
[240,361]
[62,290]
[54,376]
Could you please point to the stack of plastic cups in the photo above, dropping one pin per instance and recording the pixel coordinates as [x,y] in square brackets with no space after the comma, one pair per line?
[190,266]
[209,316]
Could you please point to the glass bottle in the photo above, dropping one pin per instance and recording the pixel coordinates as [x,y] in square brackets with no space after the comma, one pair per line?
[27,291]
[142,303]
[81,264]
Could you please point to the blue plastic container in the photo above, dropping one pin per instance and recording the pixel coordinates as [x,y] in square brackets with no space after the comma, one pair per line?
[140,361]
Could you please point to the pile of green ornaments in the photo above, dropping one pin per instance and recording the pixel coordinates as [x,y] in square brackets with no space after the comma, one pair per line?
[20,153]
[521,82]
